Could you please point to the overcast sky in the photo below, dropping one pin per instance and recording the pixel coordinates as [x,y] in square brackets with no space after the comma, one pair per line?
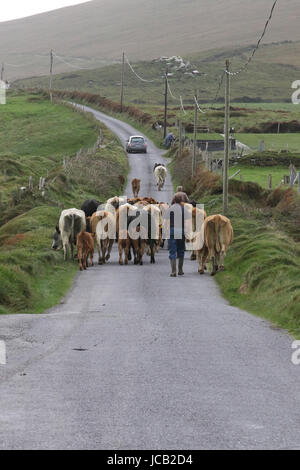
[12,9]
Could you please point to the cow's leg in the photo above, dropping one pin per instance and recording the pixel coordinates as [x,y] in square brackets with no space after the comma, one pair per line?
[103,249]
[127,248]
[202,257]
[135,248]
[157,245]
[110,245]
[92,257]
[99,252]
[120,253]
[152,252]
[214,264]
[142,251]
[193,256]
[222,255]
[72,250]
[65,251]
[79,254]
[84,261]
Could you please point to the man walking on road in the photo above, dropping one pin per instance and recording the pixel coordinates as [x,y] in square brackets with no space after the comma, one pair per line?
[176,238]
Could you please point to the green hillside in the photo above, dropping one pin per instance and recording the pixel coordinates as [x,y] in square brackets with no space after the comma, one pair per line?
[97,32]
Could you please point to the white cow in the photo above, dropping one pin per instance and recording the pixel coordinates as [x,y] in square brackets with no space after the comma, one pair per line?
[71,223]
[160,173]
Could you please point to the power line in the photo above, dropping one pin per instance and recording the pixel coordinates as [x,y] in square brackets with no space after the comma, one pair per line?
[137,75]
[257,45]
[181,105]
[17,65]
[197,104]
[77,67]
[170,91]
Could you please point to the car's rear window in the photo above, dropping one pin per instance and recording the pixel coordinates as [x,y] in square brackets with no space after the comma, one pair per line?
[137,140]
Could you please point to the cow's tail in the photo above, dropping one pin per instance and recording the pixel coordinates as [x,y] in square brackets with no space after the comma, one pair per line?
[217,228]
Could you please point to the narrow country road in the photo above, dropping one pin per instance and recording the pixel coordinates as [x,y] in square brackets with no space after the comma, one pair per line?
[134,359]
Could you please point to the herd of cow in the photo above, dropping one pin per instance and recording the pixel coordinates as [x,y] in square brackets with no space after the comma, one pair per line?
[138,225]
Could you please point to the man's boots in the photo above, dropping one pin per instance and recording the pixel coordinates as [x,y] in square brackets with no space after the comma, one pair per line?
[180,266]
[173,266]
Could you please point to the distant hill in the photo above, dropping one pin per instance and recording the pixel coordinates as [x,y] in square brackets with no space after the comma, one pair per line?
[95,33]
[268,78]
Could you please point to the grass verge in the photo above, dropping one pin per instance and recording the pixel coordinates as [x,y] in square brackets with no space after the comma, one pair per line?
[263,264]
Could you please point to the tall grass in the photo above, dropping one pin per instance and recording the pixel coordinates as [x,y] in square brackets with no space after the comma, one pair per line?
[32,276]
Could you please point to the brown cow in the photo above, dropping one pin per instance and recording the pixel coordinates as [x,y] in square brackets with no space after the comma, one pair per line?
[134,200]
[150,200]
[136,186]
[144,200]
[218,234]
[85,249]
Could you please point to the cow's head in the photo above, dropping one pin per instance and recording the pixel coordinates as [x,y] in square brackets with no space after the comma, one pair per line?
[57,242]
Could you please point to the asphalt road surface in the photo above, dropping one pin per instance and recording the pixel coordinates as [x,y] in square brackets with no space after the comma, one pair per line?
[134,359]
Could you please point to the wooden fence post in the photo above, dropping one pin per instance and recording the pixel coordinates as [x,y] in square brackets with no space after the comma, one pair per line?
[270,182]
[299,182]
[293,174]
[30,183]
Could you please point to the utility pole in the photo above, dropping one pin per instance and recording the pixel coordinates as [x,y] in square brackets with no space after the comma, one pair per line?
[2,72]
[122,82]
[166,104]
[226,140]
[195,135]
[51,75]
[180,131]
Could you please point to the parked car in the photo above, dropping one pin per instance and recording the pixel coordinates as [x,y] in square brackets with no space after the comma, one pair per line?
[136,143]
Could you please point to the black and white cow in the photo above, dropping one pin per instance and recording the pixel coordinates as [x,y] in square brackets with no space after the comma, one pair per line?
[71,223]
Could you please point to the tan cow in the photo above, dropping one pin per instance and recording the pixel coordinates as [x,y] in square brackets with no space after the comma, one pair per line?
[128,222]
[196,237]
[103,227]
[136,186]
[218,234]
[114,203]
